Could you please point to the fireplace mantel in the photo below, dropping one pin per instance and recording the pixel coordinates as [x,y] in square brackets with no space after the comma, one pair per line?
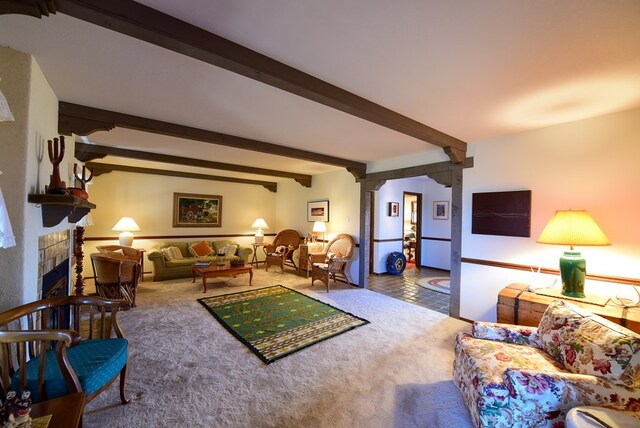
[56,207]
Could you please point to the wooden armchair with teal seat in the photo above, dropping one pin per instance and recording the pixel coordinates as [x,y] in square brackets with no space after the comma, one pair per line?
[62,345]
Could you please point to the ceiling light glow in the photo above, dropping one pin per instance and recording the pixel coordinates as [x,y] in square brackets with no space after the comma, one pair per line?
[572,101]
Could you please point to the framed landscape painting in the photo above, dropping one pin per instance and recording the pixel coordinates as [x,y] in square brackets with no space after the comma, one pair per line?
[192,210]
[318,211]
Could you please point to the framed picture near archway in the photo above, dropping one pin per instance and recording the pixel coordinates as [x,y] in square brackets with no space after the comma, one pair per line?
[394,209]
[192,210]
[441,210]
[318,211]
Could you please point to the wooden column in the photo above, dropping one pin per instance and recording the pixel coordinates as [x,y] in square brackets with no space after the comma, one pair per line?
[366,187]
[456,242]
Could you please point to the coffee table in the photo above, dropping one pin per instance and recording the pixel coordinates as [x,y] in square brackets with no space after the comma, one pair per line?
[214,271]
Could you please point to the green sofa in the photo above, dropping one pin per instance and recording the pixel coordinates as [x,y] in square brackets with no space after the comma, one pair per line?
[166,269]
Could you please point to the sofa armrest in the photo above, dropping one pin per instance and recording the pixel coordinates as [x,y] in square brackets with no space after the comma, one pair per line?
[508,333]
[245,253]
[560,391]
[158,260]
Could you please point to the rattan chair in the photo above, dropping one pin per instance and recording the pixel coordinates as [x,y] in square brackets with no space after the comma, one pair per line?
[280,251]
[63,345]
[116,276]
[336,257]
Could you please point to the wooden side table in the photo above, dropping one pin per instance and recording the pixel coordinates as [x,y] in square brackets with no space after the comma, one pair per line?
[518,306]
[142,250]
[65,411]
[307,258]
[255,246]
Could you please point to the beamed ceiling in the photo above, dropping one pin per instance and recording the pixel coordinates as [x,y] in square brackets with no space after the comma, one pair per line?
[268,91]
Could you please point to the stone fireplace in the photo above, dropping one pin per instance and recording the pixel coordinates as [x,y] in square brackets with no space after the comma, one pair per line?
[54,264]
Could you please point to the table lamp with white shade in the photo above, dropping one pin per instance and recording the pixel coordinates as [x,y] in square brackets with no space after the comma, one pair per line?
[125,226]
[320,226]
[259,224]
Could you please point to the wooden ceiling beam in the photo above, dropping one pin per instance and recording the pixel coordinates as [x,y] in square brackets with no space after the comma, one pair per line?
[84,120]
[86,152]
[150,25]
[99,168]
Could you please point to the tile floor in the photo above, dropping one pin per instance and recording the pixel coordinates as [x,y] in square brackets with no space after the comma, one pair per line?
[404,287]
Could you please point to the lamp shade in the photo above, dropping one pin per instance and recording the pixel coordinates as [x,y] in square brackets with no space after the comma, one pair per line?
[85,221]
[573,228]
[319,226]
[260,224]
[126,224]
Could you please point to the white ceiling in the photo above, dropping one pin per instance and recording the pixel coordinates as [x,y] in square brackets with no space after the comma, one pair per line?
[472,69]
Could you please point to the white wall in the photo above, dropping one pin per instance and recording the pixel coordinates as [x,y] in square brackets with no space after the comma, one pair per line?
[148,199]
[590,164]
[35,109]
[436,253]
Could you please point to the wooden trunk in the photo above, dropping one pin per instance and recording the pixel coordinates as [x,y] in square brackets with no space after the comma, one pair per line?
[518,306]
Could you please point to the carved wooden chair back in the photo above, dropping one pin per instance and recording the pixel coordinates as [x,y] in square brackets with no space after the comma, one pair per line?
[50,327]
[129,252]
[116,276]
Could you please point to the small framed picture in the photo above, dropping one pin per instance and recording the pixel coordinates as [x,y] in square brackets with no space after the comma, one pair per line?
[318,211]
[441,210]
[394,209]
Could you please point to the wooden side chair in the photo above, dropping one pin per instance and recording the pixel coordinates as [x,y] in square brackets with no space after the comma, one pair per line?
[63,345]
[334,260]
[116,276]
[280,251]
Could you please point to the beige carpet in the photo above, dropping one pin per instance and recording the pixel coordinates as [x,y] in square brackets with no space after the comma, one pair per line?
[185,369]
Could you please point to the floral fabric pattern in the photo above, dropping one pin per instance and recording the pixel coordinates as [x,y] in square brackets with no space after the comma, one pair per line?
[508,379]
[518,334]
[588,344]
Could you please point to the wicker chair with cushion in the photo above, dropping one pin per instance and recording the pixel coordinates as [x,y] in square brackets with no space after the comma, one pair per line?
[334,260]
[280,251]
[116,276]
[515,377]
[63,345]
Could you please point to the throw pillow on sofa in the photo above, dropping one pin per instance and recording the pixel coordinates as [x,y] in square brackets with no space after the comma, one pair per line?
[230,250]
[201,249]
[589,344]
[172,253]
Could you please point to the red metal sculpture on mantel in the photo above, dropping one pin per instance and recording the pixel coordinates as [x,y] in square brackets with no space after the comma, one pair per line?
[56,154]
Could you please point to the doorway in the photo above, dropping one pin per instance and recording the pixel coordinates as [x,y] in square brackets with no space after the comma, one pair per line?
[412,228]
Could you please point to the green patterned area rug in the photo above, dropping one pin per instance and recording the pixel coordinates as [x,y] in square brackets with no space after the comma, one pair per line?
[277,321]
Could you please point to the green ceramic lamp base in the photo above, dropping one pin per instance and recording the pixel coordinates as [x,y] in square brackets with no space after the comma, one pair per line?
[573,270]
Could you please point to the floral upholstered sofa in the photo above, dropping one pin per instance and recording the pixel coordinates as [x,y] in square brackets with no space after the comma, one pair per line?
[516,376]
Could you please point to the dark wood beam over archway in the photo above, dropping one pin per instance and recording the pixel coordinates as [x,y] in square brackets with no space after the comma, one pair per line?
[144,23]
[84,120]
[99,168]
[87,152]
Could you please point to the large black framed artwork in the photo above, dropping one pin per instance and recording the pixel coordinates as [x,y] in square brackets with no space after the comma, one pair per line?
[502,213]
